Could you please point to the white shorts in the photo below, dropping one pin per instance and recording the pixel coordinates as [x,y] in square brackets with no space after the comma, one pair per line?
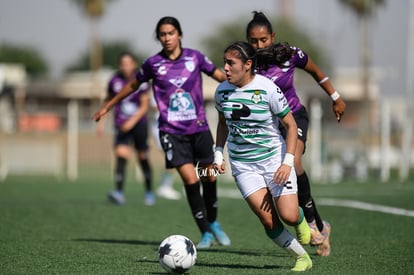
[250,177]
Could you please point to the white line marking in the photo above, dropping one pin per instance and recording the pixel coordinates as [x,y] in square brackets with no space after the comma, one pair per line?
[235,194]
[366,206]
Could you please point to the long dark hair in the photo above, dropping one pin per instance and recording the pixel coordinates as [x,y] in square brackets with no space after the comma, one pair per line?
[168,20]
[278,53]
[245,51]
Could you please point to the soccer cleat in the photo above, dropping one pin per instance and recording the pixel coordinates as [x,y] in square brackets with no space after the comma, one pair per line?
[149,198]
[206,241]
[325,248]
[303,263]
[167,192]
[303,232]
[316,235]
[116,197]
[219,234]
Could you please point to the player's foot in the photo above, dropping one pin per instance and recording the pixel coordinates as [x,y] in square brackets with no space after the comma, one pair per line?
[316,235]
[149,198]
[206,241]
[325,248]
[219,234]
[303,263]
[167,192]
[116,197]
[303,233]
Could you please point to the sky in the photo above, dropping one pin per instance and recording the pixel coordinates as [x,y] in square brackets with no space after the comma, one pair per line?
[58,29]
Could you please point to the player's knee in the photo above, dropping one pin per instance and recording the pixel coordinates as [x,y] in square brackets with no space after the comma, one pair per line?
[290,218]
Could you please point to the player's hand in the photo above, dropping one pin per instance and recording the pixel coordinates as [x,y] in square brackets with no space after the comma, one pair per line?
[220,168]
[282,174]
[339,108]
[97,116]
[127,125]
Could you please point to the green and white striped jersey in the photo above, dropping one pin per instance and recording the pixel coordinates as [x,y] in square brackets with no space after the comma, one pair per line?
[251,114]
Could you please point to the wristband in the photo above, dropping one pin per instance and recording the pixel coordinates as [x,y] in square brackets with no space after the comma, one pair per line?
[335,95]
[323,80]
[218,156]
[289,158]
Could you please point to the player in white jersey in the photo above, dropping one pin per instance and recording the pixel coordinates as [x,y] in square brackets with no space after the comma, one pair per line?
[249,108]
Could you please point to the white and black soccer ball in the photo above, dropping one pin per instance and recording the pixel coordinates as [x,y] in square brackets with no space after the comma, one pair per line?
[177,254]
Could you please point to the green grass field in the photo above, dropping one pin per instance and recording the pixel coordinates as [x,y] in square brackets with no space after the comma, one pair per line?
[50,226]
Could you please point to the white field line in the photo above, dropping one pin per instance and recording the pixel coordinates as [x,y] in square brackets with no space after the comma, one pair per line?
[235,194]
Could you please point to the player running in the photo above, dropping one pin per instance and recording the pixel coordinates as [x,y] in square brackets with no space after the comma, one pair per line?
[250,107]
[184,131]
[131,125]
[278,62]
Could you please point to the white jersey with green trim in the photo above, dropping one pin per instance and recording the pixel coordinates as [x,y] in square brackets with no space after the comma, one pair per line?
[251,114]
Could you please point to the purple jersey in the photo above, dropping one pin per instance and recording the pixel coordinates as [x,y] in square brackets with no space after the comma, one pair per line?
[129,105]
[177,86]
[283,77]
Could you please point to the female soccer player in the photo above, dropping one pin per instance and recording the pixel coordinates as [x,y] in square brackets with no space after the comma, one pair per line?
[130,121]
[278,62]
[184,132]
[250,107]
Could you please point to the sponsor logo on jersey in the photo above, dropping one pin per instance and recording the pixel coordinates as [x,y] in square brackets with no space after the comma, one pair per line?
[178,81]
[162,70]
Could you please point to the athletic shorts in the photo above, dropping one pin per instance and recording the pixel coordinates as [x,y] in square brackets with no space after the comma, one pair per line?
[302,120]
[137,135]
[250,177]
[182,149]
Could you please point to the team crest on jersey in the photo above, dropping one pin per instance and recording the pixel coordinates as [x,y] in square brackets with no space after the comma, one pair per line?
[118,86]
[190,65]
[256,97]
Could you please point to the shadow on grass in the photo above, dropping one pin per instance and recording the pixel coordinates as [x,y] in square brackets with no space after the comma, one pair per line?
[111,241]
[218,265]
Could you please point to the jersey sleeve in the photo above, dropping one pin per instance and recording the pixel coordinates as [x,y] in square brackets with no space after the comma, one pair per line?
[110,93]
[299,58]
[278,103]
[206,66]
[217,100]
[144,73]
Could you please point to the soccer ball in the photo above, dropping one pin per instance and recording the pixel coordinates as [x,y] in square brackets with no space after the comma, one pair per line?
[177,254]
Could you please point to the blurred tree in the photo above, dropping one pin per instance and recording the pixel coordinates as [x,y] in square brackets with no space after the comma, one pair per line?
[286,31]
[364,10]
[34,62]
[110,53]
[93,9]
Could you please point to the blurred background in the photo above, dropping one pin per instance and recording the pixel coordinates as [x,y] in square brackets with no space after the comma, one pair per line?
[57,56]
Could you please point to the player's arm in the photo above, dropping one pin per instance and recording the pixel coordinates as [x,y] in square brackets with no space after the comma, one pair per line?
[282,174]
[101,125]
[221,137]
[144,105]
[126,90]
[338,103]
[218,75]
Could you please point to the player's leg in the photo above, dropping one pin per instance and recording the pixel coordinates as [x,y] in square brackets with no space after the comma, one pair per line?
[140,136]
[262,205]
[165,189]
[304,189]
[122,151]
[286,202]
[196,203]
[203,153]
[178,153]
